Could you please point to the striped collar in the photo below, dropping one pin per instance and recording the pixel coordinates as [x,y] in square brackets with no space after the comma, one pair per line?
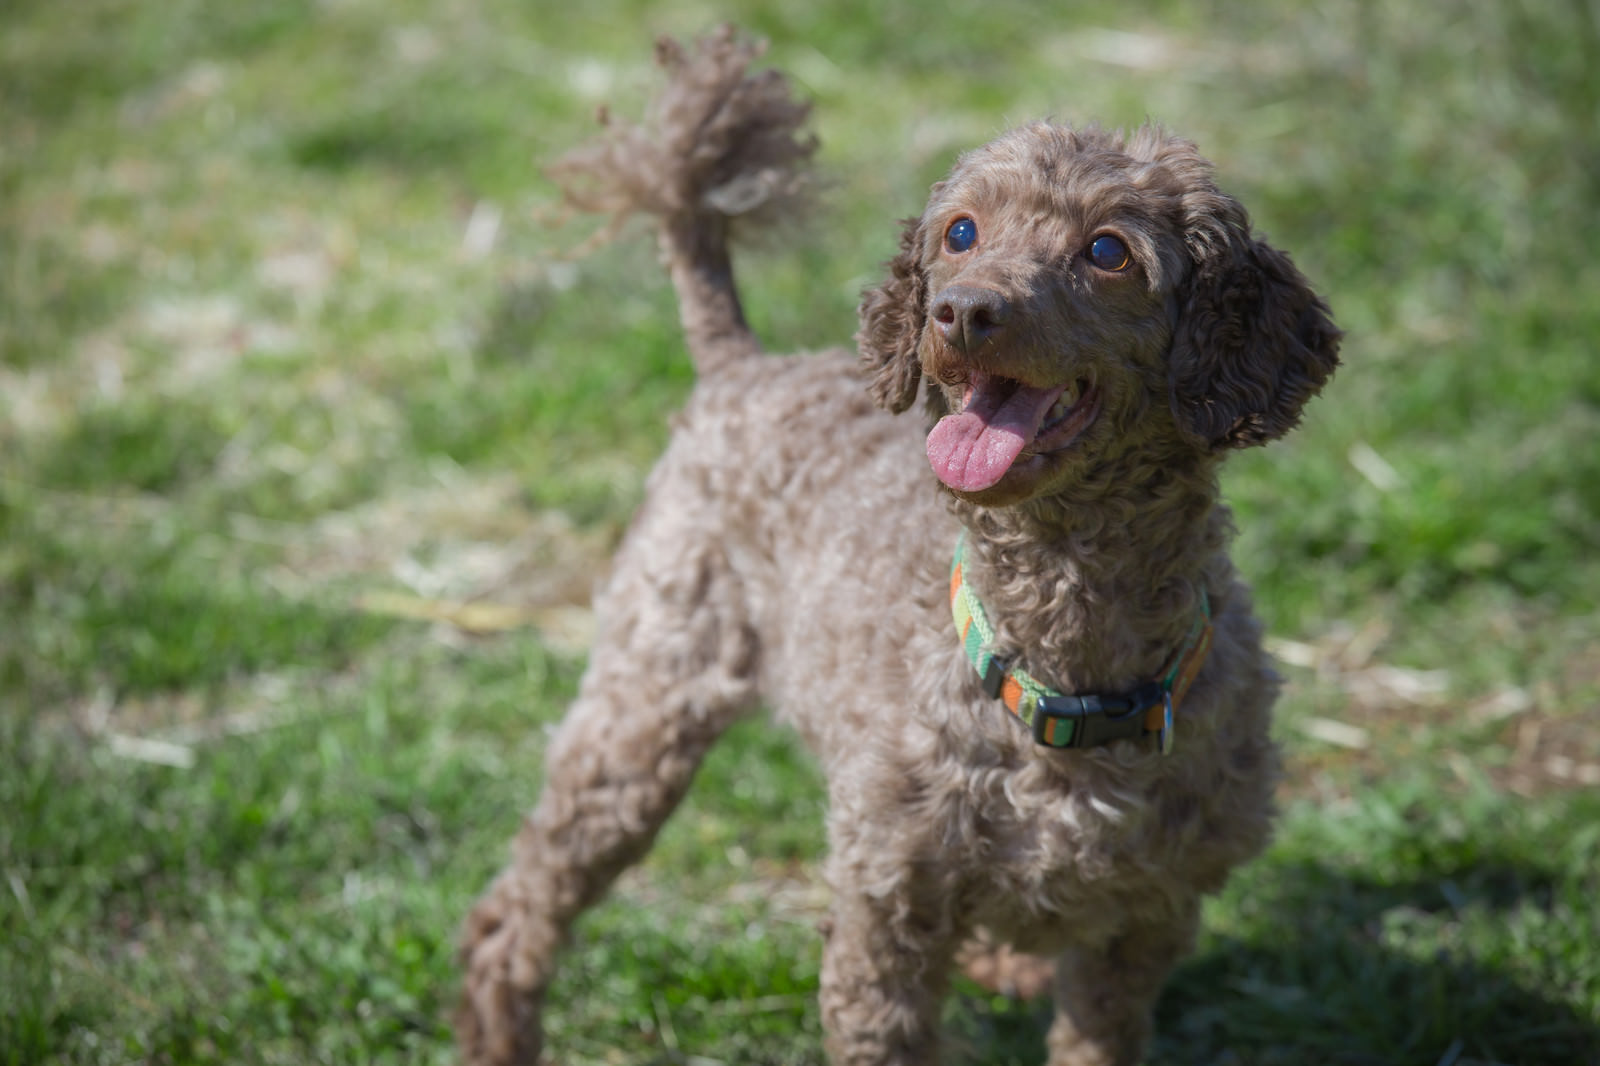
[1080,721]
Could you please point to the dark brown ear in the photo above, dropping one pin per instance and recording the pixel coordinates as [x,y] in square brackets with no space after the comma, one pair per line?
[892,316]
[1252,343]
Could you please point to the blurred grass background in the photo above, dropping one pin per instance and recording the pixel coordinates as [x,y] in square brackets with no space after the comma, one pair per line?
[313,441]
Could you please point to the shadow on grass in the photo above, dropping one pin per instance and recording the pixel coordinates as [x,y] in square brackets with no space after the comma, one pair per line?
[1345,971]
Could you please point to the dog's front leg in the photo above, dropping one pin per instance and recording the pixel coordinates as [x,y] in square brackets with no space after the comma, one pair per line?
[890,944]
[881,989]
[1105,994]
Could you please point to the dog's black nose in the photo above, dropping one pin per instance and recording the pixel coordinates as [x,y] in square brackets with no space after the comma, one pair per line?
[969,315]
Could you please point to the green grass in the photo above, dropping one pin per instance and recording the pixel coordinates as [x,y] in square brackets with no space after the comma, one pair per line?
[264,412]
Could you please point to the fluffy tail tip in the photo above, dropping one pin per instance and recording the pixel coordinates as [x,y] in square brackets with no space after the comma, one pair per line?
[718,140]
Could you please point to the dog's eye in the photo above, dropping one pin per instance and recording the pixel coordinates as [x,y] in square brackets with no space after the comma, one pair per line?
[1109,253]
[962,235]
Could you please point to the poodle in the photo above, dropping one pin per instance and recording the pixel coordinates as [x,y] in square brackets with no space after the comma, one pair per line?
[1009,630]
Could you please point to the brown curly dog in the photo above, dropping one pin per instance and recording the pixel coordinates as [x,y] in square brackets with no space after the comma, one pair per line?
[1031,674]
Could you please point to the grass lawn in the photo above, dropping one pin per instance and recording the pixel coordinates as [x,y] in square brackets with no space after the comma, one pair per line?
[313,440]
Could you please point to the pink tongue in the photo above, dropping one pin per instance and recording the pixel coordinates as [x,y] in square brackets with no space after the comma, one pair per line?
[972,450]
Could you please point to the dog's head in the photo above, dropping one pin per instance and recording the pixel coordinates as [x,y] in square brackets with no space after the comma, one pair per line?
[1068,293]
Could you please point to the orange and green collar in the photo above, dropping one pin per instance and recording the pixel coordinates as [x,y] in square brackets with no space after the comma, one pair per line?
[1081,721]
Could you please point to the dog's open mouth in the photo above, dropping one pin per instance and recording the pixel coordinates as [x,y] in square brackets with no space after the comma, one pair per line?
[1000,419]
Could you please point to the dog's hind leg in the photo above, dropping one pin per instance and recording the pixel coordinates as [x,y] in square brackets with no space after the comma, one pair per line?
[674,666]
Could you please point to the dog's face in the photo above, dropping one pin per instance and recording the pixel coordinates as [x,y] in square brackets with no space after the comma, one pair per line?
[1069,295]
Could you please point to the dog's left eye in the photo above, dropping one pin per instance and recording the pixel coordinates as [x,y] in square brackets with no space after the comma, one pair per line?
[1109,253]
[962,235]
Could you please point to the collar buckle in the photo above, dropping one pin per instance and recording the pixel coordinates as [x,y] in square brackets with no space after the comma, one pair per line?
[1092,719]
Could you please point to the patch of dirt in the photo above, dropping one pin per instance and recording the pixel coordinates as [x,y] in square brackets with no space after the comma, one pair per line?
[1549,753]
[468,553]
[1526,741]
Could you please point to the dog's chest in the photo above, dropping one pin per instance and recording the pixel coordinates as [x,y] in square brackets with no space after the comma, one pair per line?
[1047,854]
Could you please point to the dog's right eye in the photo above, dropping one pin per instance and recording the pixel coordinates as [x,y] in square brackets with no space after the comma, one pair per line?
[962,235]
[1110,254]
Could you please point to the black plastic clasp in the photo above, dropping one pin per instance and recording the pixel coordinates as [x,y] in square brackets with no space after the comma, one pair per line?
[994,678]
[1096,719]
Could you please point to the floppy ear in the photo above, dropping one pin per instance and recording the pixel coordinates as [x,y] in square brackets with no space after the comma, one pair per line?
[1252,343]
[892,316]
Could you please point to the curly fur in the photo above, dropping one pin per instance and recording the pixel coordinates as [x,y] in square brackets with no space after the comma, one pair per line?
[787,497]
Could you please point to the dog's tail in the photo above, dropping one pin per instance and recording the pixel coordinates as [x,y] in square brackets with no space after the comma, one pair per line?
[719,146]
